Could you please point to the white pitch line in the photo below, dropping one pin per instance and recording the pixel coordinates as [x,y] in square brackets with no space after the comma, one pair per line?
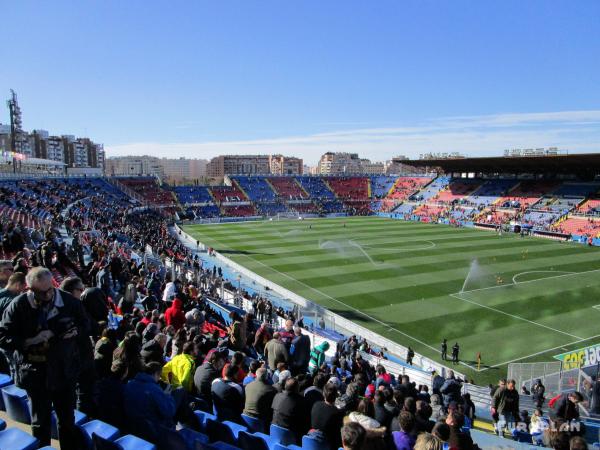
[541,352]
[528,281]
[515,316]
[514,279]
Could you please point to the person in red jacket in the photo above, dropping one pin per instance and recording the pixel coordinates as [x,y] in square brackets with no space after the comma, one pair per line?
[175,315]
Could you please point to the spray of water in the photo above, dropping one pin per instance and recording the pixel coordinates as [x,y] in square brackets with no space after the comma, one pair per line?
[290,233]
[348,248]
[362,250]
[475,274]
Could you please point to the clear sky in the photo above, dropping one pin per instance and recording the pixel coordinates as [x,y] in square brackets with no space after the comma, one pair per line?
[197,78]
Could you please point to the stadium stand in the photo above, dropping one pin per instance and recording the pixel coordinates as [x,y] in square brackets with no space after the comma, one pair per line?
[227,194]
[257,189]
[148,190]
[192,194]
[199,385]
[287,188]
[316,188]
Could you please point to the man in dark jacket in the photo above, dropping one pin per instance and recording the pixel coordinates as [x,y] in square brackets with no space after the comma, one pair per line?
[326,418]
[289,409]
[147,406]
[228,396]
[300,351]
[154,349]
[208,372]
[15,286]
[537,393]
[40,328]
[505,404]
[87,374]
[95,304]
[565,407]
[450,390]
[259,397]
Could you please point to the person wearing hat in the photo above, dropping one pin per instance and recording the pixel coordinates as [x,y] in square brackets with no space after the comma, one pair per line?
[317,356]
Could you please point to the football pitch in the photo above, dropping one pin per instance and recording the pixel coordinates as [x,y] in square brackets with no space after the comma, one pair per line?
[513,299]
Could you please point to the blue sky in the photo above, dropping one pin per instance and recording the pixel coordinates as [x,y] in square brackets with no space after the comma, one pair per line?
[196,78]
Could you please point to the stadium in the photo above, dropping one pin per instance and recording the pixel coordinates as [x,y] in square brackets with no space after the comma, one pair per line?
[278,225]
[496,255]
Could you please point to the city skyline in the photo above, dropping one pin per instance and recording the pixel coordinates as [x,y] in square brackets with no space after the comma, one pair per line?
[384,79]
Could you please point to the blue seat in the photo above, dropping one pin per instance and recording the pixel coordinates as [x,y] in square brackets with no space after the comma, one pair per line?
[254,424]
[5,380]
[220,432]
[128,442]
[80,418]
[222,446]
[171,440]
[191,437]
[47,448]
[235,427]
[249,441]
[101,429]
[17,406]
[282,435]
[280,447]
[15,439]
[2,425]
[310,443]
[131,442]
[203,417]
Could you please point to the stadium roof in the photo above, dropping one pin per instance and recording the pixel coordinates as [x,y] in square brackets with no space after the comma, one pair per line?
[578,164]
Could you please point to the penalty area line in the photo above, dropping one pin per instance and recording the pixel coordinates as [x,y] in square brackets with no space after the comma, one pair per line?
[515,316]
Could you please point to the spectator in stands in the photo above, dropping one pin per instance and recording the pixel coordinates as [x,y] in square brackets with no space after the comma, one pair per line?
[404,439]
[565,406]
[127,361]
[289,409]
[154,349]
[45,321]
[451,390]
[353,436]
[326,418]
[237,360]
[6,270]
[314,393]
[16,285]
[87,376]
[437,409]
[365,416]
[422,416]
[300,351]
[275,352]
[209,371]
[174,315]
[458,439]
[147,406]
[237,332]
[103,352]
[103,280]
[259,397]
[228,396]
[537,393]
[179,371]
[95,304]
[505,403]
[426,441]
[317,356]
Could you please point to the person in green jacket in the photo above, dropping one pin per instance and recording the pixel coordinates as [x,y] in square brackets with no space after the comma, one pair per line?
[317,356]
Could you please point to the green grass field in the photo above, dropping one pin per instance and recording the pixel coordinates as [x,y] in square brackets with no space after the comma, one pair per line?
[524,299]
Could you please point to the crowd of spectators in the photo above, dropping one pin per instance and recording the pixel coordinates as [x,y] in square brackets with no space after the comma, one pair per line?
[90,323]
